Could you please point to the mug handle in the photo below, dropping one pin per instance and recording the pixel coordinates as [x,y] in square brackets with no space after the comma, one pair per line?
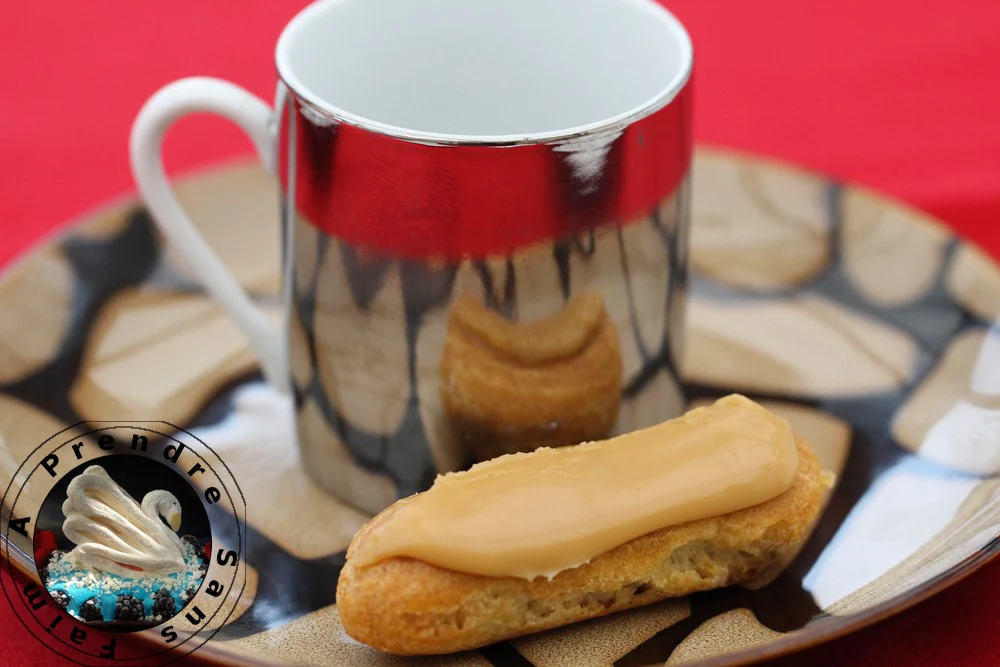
[254,116]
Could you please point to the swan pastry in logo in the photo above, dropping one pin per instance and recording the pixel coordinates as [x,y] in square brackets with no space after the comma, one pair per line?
[129,564]
[115,534]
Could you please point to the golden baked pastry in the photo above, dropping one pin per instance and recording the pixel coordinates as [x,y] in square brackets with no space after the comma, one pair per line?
[514,386]
[410,606]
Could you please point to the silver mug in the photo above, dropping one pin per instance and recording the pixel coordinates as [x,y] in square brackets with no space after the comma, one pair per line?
[485,218]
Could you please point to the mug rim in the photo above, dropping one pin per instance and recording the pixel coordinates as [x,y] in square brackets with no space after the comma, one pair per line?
[665,96]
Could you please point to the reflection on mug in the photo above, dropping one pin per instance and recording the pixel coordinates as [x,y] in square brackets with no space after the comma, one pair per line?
[515,386]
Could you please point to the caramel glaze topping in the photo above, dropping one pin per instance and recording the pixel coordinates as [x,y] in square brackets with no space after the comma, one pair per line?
[537,514]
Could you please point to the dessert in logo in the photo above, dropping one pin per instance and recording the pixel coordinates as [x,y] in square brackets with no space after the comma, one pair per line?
[512,387]
[129,566]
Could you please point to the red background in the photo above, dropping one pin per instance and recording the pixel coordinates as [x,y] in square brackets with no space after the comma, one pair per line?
[903,97]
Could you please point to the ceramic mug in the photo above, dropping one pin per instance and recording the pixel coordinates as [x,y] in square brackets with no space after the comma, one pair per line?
[485,213]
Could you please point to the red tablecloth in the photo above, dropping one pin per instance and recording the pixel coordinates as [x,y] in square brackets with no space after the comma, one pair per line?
[903,97]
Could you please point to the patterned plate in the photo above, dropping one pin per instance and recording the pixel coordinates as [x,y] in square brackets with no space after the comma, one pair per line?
[863,322]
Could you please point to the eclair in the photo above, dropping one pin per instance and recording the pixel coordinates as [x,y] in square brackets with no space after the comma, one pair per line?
[723,495]
[509,387]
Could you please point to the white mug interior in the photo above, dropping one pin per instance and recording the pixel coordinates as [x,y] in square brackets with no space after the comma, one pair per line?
[487,70]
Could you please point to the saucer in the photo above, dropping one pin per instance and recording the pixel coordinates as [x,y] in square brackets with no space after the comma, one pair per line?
[863,322]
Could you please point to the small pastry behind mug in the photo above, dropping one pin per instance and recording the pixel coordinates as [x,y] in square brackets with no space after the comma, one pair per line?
[515,386]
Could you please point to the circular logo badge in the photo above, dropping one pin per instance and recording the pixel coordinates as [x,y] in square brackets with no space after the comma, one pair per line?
[136,532]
